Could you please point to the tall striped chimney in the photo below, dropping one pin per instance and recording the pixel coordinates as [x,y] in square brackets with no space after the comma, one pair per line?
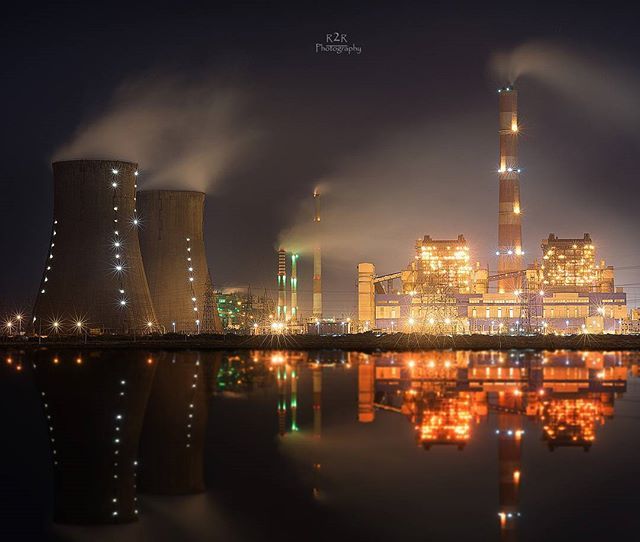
[282,282]
[317,260]
[509,250]
[294,287]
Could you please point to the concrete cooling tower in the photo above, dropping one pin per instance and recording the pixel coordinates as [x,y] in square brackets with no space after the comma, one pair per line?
[172,243]
[93,277]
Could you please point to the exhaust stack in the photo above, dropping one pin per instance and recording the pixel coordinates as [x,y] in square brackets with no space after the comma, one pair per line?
[317,261]
[282,281]
[294,288]
[509,250]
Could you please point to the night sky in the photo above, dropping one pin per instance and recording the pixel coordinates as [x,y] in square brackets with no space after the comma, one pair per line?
[402,138]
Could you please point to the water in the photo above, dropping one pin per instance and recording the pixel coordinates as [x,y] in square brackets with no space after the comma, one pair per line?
[257,446]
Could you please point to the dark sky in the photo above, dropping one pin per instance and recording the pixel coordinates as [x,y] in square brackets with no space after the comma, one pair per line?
[403,135]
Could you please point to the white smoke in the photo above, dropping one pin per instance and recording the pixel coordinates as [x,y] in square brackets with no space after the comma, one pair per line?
[599,82]
[182,133]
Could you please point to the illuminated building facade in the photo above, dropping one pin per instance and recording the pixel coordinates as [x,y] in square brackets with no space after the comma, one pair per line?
[243,312]
[443,262]
[442,293]
[569,265]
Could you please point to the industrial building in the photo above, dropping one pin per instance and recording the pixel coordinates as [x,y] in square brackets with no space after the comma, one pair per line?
[397,302]
[245,312]
[442,292]
[173,250]
[94,279]
[569,265]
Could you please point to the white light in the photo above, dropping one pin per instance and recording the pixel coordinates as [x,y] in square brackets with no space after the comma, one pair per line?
[118,268]
[190,279]
[123,302]
[136,173]
[497,253]
[114,184]
[114,171]
[135,221]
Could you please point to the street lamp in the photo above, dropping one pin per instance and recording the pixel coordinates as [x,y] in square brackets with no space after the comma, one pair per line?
[198,326]
[173,325]
[411,322]
[9,325]
[19,319]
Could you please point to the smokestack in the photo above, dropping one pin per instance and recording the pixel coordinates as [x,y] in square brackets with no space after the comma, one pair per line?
[317,261]
[294,288]
[94,277]
[509,225]
[282,281]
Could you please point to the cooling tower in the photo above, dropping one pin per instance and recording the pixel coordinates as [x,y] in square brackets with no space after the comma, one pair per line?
[172,243]
[93,277]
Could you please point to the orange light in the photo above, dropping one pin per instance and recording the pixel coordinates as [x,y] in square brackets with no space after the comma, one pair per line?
[149,361]
[18,367]
[9,361]
[516,476]
[56,360]
[78,360]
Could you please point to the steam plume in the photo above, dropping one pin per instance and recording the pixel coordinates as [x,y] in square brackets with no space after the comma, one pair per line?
[184,134]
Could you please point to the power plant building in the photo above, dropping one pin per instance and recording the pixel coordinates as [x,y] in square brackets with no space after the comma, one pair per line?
[173,249]
[440,262]
[441,292]
[570,265]
[94,279]
[396,302]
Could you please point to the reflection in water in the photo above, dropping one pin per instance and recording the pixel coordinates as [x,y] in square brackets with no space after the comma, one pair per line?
[173,435]
[94,405]
[100,405]
[441,393]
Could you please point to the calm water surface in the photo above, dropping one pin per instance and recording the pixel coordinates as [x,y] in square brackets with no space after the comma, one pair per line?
[258,446]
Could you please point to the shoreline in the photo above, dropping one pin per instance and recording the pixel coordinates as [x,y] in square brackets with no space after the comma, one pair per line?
[365,342]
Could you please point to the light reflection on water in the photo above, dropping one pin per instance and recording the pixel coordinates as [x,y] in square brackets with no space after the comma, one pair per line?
[418,445]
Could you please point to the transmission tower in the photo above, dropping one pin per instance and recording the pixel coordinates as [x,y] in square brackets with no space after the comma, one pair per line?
[210,316]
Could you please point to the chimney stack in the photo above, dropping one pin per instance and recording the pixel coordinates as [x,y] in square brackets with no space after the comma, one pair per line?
[317,261]
[282,281]
[509,250]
